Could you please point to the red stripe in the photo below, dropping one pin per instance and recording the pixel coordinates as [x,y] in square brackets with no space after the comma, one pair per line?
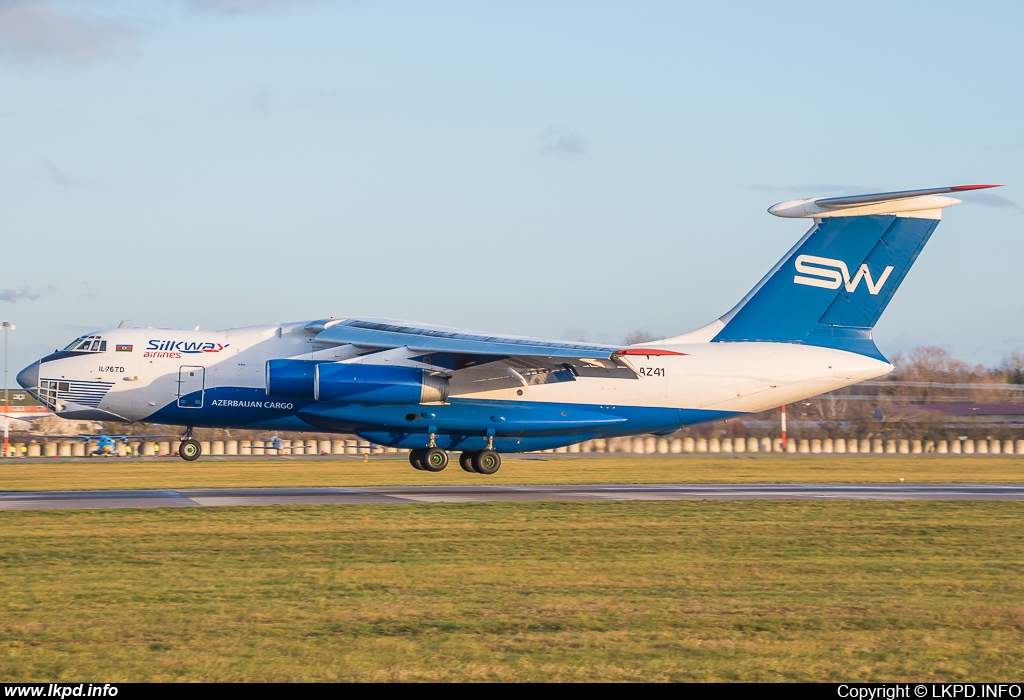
[647,351]
[964,188]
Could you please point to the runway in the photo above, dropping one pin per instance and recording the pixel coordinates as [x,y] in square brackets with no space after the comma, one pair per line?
[36,500]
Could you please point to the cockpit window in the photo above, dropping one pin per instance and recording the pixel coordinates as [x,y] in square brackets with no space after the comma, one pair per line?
[91,343]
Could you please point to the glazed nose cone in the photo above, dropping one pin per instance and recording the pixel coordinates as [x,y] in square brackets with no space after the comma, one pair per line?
[28,378]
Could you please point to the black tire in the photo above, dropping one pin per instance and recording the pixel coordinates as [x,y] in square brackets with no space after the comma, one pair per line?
[466,461]
[189,450]
[416,459]
[486,462]
[434,459]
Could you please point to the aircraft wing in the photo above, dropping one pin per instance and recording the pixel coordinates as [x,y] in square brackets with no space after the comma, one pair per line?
[478,361]
[381,334]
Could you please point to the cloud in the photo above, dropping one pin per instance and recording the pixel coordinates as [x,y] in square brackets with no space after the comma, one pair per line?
[256,101]
[560,142]
[13,296]
[260,103]
[59,177]
[239,7]
[996,201]
[33,30]
[87,291]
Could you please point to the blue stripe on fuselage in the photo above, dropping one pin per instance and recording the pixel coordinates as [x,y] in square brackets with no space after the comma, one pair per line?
[460,424]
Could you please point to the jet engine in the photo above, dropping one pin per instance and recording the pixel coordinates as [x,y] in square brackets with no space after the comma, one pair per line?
[291,379]
[377,384]
[354,383]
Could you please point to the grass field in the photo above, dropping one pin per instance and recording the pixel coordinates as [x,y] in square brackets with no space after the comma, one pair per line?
[171,472]
[516,591]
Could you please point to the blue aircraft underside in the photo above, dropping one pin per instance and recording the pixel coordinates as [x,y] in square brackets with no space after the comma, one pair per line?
[461,424]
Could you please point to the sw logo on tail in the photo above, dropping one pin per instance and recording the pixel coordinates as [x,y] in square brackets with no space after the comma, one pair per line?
[830,274]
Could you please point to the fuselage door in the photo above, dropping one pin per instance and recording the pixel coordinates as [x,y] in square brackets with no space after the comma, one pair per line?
[191,382]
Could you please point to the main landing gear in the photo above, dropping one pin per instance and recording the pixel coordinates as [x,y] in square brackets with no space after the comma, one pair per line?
[429,459]
[434,459]
[480,461]
[189,449]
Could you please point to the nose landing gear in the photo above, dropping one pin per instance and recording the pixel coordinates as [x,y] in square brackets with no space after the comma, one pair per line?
[189,449]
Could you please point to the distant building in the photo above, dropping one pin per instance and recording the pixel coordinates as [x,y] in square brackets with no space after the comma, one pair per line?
[22,409]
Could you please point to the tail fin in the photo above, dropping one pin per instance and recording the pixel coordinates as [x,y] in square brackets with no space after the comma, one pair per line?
[834,284]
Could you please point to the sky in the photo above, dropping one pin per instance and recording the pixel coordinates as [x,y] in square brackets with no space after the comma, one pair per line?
[569,170]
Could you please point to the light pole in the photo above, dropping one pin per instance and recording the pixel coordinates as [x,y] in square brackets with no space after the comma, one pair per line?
[783,428]
[7,453]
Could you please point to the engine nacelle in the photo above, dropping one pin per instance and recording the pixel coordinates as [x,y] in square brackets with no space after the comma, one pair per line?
[291,378]
[376,384]
[353,383]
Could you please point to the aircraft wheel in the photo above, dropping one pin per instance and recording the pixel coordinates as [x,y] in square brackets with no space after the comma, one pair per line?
[434,459]
[189,450]
[416,459]
[486,462]
[466,461]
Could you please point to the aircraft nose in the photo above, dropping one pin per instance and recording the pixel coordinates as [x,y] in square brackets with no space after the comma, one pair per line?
[28,378]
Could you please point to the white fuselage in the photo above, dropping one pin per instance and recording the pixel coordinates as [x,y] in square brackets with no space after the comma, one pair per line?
[742,377]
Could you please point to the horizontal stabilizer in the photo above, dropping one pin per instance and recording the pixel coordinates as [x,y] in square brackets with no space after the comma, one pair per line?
[925,204]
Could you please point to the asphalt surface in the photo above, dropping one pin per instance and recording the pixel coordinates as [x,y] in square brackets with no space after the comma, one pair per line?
[35,500]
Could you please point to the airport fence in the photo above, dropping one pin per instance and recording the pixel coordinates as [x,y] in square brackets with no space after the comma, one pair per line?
[644,445]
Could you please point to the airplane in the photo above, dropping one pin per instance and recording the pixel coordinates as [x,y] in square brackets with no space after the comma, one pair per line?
[106,443]
[804,329]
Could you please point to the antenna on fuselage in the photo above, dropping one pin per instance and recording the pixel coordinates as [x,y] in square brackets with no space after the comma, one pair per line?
[121,324]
